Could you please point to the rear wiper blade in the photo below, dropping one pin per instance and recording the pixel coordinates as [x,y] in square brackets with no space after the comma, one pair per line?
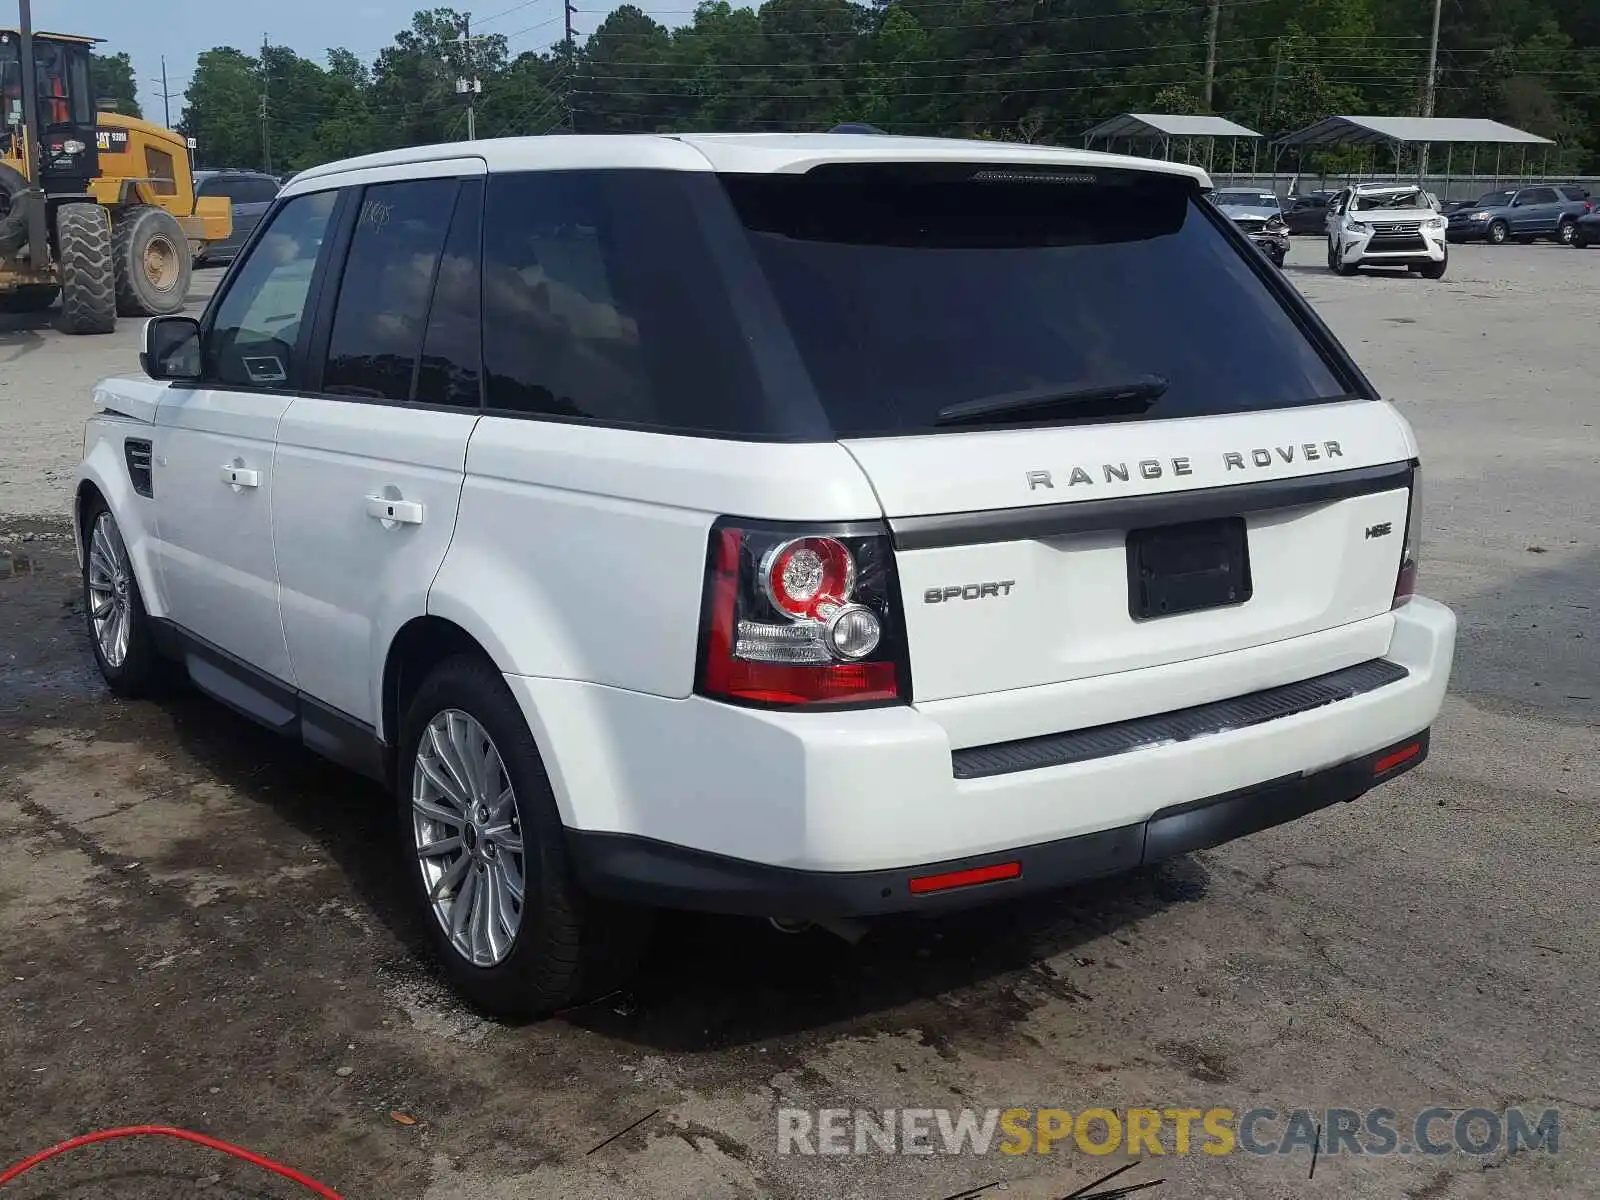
[1102,399]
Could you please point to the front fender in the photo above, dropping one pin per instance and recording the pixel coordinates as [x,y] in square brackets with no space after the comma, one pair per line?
[105,467]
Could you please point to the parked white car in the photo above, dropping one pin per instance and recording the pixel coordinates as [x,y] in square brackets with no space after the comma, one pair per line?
[808,527]
[1387,225]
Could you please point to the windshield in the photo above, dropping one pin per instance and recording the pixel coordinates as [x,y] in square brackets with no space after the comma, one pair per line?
[1494,200]
[1246,199]
[1410,198]
[911,290]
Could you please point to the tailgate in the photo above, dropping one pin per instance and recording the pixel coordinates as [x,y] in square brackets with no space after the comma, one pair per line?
[1041,556]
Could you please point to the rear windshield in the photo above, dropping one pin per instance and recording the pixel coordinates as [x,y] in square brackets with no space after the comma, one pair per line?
[911,290]
[1245,199]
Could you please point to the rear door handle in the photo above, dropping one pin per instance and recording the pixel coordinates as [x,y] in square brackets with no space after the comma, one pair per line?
[396,512]
[240,477]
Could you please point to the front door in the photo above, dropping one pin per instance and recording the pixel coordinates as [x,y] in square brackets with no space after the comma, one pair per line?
[369,472]
[214,446]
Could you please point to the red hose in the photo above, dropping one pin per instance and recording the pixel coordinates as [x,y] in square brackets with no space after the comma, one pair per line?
[183,1135]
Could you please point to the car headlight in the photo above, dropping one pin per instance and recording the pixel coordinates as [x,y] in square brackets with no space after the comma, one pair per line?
[1359,227]
[73,146]
[1435,223]
[1276,225]
[1480,216]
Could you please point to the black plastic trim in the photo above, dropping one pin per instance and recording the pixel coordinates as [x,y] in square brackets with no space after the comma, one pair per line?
[646,871]
[1180,725]
[274,704]
[1143,512]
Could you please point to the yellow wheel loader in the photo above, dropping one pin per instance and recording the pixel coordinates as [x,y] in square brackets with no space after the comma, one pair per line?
[96,208]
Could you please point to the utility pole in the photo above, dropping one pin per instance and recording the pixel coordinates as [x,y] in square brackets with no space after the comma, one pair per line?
[166,94]
[1211,48]
[469,85]
[1428,85]
[266,121]
[566,85]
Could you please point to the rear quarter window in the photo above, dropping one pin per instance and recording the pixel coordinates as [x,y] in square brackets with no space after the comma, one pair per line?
[908,290]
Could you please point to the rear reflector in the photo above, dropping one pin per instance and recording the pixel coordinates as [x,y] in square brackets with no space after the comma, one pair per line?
[955,879]
[1390,761]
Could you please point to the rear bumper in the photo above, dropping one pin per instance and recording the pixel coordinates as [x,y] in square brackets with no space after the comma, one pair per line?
[660,874]
[728,793]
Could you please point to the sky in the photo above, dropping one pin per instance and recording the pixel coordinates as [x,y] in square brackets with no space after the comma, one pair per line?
[181,29]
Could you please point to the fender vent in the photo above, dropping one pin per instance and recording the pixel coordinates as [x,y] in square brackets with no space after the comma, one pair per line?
[137,451]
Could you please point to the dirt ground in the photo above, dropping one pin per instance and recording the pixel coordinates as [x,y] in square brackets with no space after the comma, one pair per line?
[201,926]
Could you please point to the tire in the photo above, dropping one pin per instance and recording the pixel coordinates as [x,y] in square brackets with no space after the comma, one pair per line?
[120,632]
[1580,240]
[1497,232]
[1336,261]
[153,265]
[88,287]
[1433,270]
[29,298]
[14,225]
[566,946]
[1565,232]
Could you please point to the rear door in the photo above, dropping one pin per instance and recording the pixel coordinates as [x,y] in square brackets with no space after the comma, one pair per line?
[370,466]
[1105,439]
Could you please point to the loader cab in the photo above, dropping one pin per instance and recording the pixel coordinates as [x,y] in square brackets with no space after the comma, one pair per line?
[65,90]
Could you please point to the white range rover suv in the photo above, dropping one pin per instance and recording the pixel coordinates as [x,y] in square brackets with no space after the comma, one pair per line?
[812,527]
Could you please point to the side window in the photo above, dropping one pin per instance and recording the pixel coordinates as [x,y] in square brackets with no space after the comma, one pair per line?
[388,280]
[452,348]
[257,323]
[600,304]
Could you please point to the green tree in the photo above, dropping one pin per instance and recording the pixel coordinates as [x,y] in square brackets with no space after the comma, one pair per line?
[222,109]
[114,80]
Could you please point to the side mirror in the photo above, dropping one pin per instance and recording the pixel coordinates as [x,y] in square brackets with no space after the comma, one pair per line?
[171,349]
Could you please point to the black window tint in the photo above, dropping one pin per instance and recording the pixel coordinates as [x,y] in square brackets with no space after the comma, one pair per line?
[388,279]
[452,349]
[1575,193]
[254,191]
[257,323]
[602,302]
[1539,196]
[909,290]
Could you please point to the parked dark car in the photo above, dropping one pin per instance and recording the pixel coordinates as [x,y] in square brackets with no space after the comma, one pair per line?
[1543,210]
[1586,231]
[1308,213]
[251,194]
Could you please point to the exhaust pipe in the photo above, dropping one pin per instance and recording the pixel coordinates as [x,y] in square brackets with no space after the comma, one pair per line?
[841,927]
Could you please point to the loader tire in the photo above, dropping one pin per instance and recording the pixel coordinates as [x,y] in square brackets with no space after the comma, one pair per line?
[88,283]
[29,298]
[153,263]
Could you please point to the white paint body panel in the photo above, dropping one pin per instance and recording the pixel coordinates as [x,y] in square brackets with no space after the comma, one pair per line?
[349,580]
[215,539]
[580,552]
[872,790]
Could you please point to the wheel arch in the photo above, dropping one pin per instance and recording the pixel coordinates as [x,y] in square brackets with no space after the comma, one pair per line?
[418,646]
[103,476]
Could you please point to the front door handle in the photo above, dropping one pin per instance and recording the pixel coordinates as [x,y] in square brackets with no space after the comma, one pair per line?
[240,477]
[394,512]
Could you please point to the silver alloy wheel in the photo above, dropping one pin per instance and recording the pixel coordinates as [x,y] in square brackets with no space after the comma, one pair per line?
[110,581]
[468,837]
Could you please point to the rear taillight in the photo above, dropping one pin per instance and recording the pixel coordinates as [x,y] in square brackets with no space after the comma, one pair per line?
[1405,584]
[801,618]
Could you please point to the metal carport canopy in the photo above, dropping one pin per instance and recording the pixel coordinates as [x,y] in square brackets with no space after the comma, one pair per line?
[1166,125]
[1439,130]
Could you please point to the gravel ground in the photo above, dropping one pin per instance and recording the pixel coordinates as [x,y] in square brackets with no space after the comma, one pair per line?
[201,926]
